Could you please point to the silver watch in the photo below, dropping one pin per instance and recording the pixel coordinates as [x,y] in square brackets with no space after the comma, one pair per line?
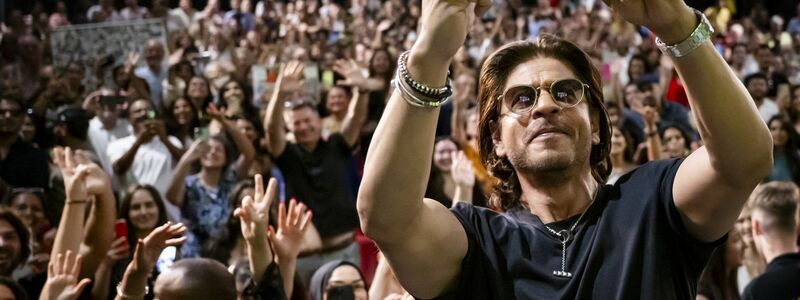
[700,35]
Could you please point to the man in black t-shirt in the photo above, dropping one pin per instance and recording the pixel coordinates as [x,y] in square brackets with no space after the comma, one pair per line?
[774,219]
[544,133]
[21,163]
[315,169]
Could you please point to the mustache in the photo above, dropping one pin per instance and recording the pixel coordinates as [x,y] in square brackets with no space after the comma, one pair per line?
[540,128]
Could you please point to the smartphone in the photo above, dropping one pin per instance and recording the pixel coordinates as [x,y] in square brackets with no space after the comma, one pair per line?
[120,229]
[200,133]
[111,100]
[327,79]
[151,114]
[166,258]
[344,292]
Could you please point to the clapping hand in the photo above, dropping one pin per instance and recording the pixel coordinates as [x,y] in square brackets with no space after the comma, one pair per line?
[292,226]
[62,278]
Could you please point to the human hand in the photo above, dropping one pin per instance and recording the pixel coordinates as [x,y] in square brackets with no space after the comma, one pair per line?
[671,20]
[254,211]
[650,116]
[290,76]
[131,60]
[461,170]
[119,250]
[74,174]
[196,151]
[445,24]
[62,278]
[353,73]
[97,180]
[384,25]
[292,226]
[149,248]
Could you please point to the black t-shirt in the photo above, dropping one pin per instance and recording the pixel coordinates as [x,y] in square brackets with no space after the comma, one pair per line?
[781,280]
[631,244]
[319,179]
[25,166]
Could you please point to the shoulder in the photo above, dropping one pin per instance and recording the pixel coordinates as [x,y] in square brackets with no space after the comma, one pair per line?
[480,220]
[124,142]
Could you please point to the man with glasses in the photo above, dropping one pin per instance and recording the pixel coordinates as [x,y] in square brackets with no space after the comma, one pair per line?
[21,164]
[559,232]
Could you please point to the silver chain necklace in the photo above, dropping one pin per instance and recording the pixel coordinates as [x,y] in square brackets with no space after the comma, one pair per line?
[564,235]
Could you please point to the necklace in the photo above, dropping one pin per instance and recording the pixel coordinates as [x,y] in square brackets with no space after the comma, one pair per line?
[564,235]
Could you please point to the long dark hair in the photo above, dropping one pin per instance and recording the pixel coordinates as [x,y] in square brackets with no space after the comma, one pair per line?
[718,281]
[630,147]
[125,209]
[790,149]
[172,124]
[494,74]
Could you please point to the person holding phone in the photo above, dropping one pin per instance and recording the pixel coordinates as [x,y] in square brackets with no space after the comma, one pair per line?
[141,211]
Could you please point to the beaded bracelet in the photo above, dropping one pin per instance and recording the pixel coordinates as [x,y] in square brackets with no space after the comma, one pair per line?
[417,94]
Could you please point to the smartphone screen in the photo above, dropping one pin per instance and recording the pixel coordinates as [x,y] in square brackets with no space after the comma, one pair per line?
[200,133]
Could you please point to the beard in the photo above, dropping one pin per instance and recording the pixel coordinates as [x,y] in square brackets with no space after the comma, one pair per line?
[549,165]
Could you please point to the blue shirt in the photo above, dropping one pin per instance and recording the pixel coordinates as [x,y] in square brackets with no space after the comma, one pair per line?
[205,212]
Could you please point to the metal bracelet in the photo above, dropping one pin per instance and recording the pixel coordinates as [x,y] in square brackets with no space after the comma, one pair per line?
[418,99]
[406,76]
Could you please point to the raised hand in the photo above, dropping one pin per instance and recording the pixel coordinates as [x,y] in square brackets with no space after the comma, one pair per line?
[445,26]
[196,151]
[62,278]
[149,248]
[461,171]
[355,75]
[671,20]
[73,173]
[254,212]
[290,76]
[119,249]
[292,226]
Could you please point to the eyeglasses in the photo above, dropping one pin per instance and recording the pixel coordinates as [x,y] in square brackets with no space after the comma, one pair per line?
[521,99]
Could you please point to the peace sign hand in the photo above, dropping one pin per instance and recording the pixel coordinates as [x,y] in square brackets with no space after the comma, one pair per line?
[254,212]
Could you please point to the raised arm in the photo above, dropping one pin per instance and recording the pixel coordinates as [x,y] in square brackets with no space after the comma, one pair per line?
[82,183]
[176,188]
[134,281]
[427,250]
[122,164]
[247,153]
[356,117]
[274,126]
[289,239]
[714,182]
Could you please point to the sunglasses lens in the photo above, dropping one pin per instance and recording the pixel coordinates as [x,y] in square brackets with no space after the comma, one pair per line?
[520,99]
[567,92]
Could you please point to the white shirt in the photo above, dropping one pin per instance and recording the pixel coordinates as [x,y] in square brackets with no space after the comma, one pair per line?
[768,109]
[100,138]
[178,19]
[130,15]
[152,165]
[114,17]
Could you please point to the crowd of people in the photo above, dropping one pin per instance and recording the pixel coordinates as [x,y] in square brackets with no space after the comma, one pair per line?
[173,180]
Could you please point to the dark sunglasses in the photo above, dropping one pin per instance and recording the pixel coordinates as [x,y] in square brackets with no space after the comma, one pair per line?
[521,99]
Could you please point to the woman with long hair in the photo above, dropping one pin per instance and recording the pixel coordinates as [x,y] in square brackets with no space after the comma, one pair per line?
[143,210]
[786,158]
[203,196]
[622,151]
[182,119]
[452,179]
[718,280]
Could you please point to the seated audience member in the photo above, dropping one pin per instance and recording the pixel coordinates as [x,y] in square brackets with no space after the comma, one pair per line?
[338,277]
[452,179]
[316,169]
[143,210]
[22,164]
[774,222]
[148,155]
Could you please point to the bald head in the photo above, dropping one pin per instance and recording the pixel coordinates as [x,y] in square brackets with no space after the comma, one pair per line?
[195,278]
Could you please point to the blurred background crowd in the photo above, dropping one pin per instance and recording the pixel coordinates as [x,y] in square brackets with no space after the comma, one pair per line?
[181,124]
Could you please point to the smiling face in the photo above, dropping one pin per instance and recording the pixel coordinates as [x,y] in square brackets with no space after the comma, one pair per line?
[779,134]
[549,139]
[336,101]
[674,142]
[215,156]
[29,209]
[443,153]
[182,111]
[10,248]
[618,142]
[143,212]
